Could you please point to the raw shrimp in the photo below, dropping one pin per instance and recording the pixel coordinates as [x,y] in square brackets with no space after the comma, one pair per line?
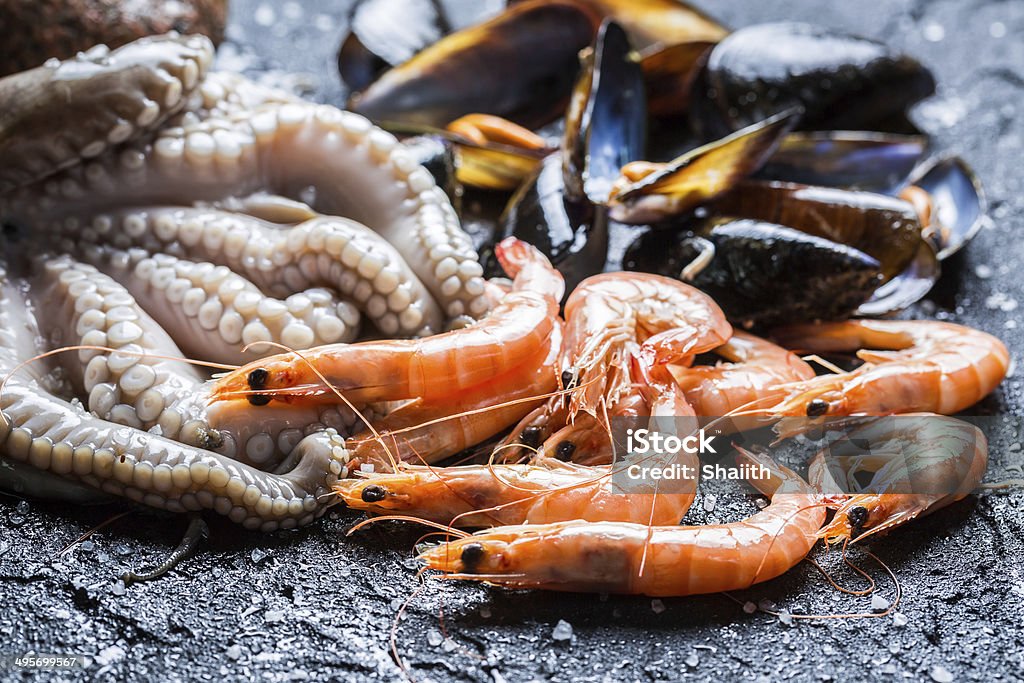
[539,493]
[613,557]
[917,463]
[428,369]
[929,366]
[753,374]
[422,431]
[608,316]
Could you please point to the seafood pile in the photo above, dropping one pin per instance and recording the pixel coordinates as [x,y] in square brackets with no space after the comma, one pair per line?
[217,296]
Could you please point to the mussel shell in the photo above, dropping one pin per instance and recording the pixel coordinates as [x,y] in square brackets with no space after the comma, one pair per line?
[702,174]
[521,65]
[854,160]
[606,125]
[958,201]
[653,22]
[763,274]
[842,81]
[572,234]
[884,227]
[908,287]
[670,73]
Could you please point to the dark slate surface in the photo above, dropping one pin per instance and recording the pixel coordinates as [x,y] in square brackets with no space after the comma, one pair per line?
[315,605]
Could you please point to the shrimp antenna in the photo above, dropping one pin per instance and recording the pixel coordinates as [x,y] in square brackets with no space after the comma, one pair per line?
[866,591]
[94,347]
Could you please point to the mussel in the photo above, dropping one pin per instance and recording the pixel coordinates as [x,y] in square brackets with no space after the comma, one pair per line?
[520,65]
[385,33]
[561,209]
[854,160]
[649,193]
[840,80]
[958,207]
[761,274]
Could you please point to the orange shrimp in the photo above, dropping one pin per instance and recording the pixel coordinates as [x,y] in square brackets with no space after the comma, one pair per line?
[543,492]
[918,464]
[615,557]
[429,431]
[754,372]
[608,316]
[930,366]
[429,369]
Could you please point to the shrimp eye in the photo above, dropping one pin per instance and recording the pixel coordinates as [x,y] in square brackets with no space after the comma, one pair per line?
[565,450]
[373,494]
[258,378]
[472,554]
[259,399]
[568,379]
[530,436]
[858,517]
[817,408]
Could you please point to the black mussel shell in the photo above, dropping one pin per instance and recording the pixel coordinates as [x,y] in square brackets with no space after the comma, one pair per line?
[669,75]
[958,205]
[386,33]
[854,160]
[908,287]
[882,226]
[842,81]
[572,234]
[520,65]
[761,274]
[606,124]
[657,22]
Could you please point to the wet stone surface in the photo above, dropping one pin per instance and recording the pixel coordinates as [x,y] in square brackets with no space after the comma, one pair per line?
[315,605]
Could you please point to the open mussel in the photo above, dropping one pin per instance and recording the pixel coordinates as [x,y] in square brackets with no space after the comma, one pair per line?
[841,81]
[761,274]
[561,209]
[520,65]
[854,160]
[650,192]
[955,206]
[884,227]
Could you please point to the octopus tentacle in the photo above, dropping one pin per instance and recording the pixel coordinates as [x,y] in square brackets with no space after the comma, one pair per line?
[321,252]
[215,312]
[354,169]
[55,436]
[57,114]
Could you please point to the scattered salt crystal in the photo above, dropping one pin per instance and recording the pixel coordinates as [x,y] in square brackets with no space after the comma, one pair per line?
[878,603]
[786,618]
[899,619]
[450,645]
[749,607]
[997,29]
[366,468]
[265,15]
[657,606]
[396,603]
[709,502]
[692,661]
[934,32]
[434,637]
[562,631]
[1010,324]
[766,605]
[941,674]
[894,647]
[983,271]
